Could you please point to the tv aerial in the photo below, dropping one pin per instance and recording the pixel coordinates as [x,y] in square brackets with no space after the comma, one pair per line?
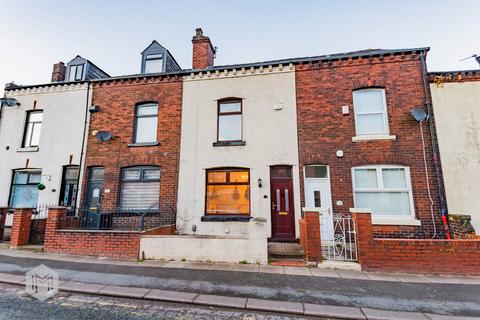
[475,56]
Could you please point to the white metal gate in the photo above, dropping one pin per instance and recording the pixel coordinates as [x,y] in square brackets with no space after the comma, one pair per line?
[342,244]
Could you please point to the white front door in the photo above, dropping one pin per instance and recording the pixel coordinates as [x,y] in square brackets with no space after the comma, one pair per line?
[318,195]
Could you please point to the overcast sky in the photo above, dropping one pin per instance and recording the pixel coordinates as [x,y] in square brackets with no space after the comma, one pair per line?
[36,34]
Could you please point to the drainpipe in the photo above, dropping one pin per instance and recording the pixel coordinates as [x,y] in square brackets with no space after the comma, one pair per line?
[433,134]
[85,124]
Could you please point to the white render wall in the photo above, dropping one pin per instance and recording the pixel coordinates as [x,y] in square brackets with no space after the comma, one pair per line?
[457,115]
[61,136]
[251,248]
[270,136]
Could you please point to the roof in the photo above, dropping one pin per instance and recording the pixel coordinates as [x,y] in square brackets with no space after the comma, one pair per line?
[455,75]
[327,57]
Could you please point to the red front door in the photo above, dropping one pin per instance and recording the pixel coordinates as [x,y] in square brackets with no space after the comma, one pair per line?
[283,214]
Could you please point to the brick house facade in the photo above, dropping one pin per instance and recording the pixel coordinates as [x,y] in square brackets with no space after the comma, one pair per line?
[117,101]
[323,87]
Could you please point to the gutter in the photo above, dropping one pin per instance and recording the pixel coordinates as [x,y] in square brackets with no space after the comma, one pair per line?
[435,151]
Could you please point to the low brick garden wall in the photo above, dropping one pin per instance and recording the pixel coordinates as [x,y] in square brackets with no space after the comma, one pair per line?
[310,236]
[438,256]
[105,243]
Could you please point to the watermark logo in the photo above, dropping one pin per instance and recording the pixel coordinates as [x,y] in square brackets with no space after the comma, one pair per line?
[41,282]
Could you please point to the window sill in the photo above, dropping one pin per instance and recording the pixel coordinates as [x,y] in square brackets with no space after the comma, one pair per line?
[143,144]
[221,218]
[228,143]
[374,137]
[28,149]
[396,221]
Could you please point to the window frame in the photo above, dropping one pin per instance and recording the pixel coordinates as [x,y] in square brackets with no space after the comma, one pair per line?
[12,183]
[227,170]
[161,57]
[135,121]
[75,68]
[380,188]
[384,112]
[219,114]
[141,179]
[316,165]
[25,129]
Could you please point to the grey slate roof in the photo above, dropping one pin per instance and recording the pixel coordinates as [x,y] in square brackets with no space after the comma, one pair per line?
[327,57]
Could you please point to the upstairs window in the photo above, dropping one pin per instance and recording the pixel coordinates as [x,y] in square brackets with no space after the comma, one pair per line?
[228,192]
[33,126]
[153,63]
[140,188]
[384,189]
[229,120]
[146,122]
[370,112]
[24,191]
[76,73]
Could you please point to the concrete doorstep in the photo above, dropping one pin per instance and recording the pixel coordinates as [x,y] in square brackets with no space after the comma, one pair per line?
[307,309]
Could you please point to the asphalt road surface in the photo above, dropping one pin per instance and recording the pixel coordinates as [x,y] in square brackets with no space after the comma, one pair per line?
[15,303]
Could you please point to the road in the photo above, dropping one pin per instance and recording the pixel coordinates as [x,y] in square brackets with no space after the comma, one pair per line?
[439,298]
[16,304]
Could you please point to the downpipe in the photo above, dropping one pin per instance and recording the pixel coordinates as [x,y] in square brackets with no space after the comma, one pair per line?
[436,163]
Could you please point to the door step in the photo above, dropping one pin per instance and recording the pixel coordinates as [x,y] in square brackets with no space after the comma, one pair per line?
[287,262]
[286,254]
[285,249]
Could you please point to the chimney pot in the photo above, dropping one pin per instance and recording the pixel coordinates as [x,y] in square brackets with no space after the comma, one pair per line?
[203,51]
[59,71]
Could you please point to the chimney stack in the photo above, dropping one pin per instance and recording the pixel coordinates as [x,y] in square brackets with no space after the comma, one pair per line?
[203,51]
[59,71]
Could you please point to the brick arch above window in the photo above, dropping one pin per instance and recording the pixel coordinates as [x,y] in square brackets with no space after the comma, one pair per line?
[366,83]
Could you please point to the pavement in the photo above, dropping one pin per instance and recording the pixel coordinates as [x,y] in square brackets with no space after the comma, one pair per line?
[340,294]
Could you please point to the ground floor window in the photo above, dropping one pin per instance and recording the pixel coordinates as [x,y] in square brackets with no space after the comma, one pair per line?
[384,189]
[140,188]
[228,191]
[24,191]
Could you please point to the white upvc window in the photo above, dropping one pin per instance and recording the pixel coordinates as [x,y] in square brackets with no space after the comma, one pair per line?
[370,108]
[385,189]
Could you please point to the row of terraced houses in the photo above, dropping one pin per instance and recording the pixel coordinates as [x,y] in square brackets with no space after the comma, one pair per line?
[362,156]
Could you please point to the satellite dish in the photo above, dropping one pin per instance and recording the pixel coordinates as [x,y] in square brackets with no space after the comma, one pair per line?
[9,102]
[419,114]
[103,136]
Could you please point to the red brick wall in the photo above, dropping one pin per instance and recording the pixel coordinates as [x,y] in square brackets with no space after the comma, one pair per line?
[112,244]
[21,227]
[461,257]
[117,101]
[322,89]
[310,236]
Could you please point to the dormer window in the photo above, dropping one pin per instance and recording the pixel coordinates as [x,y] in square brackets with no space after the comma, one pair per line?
[154,63]
[75,73]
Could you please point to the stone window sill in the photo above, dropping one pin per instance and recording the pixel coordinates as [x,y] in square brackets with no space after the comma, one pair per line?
[143,144]
[228,143]
[396,221]
[28,149]
[374,137]
[224,218]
